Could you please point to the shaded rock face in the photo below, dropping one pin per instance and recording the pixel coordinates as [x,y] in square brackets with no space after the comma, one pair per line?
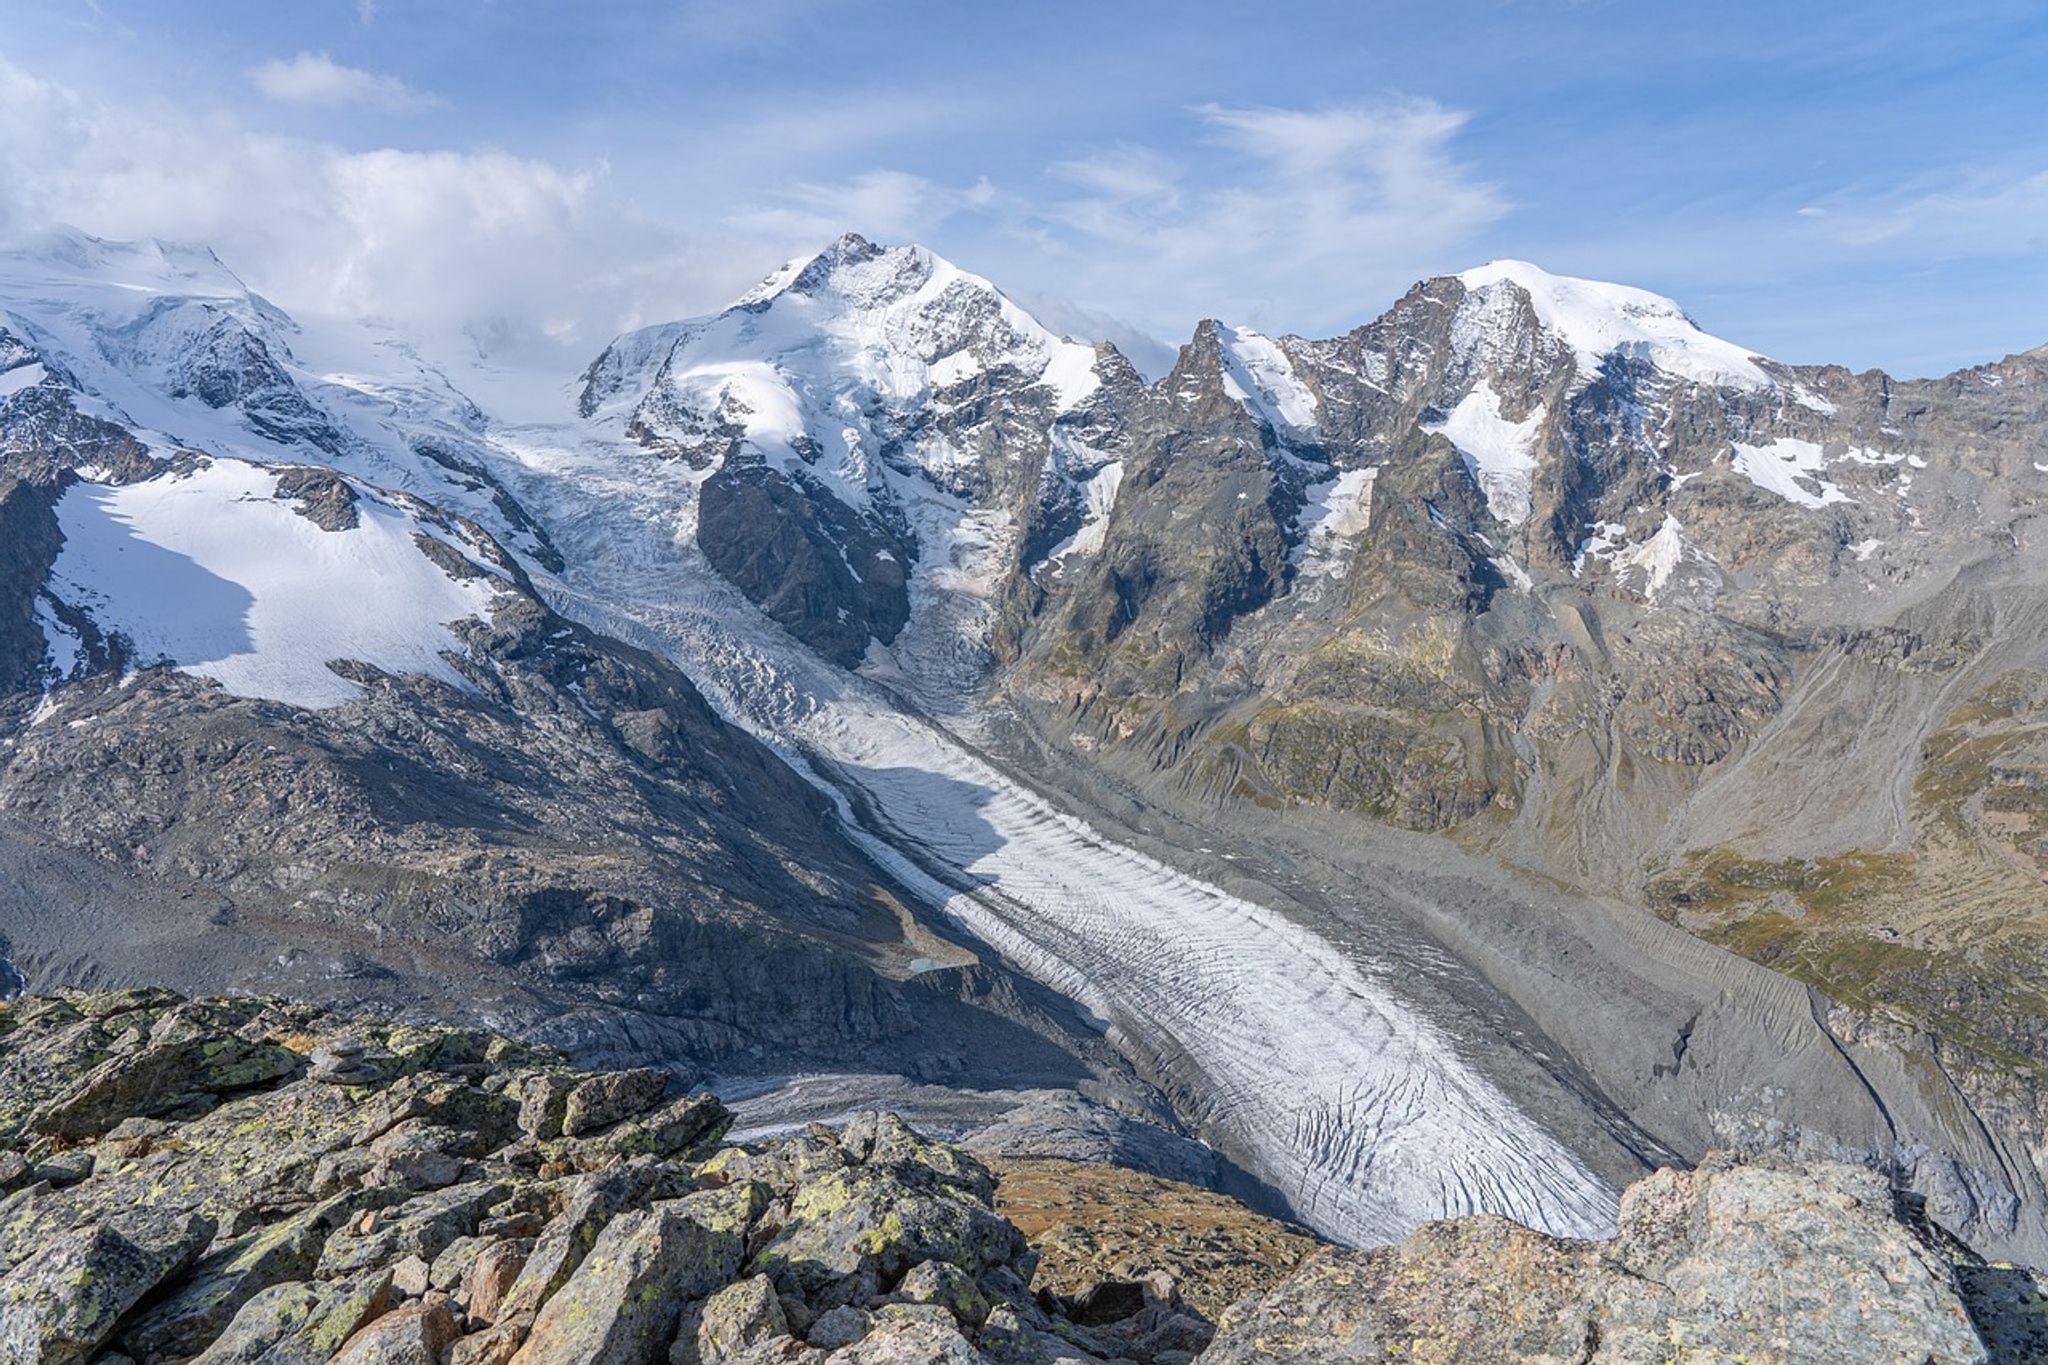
[831,577]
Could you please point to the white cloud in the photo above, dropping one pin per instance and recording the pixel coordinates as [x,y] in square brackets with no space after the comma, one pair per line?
[1296,218]
[1278,218]
[1981,211]
[430,240]
[314,78]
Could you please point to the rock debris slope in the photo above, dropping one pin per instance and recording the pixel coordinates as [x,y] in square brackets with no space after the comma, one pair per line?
[242,1180]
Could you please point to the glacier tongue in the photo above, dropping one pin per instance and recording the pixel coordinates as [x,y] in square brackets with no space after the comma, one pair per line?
[1309,1069]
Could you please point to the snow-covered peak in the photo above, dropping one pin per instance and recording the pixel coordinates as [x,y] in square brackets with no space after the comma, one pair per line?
[64,261]
[910,321]
[1597,320]
[827,352]
[1259,374]
[858,273]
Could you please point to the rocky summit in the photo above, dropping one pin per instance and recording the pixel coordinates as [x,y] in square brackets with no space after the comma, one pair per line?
[252,1180]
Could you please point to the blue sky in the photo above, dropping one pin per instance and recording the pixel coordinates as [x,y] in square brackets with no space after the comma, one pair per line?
[1860,182]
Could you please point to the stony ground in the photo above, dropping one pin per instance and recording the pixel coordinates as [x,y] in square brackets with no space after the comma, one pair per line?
[1090,1222]
[255,1181]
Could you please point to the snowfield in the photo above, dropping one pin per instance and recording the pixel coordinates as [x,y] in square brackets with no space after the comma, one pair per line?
[1312,1072]
[1597,320]
[210,571]
[1499,454]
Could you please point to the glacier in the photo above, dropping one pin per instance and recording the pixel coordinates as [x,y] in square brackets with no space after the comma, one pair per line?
[1310,1069]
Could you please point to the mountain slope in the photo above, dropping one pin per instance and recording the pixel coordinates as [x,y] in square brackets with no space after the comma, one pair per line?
[304,730]
[1755,646]
[859,413]
[1539,564]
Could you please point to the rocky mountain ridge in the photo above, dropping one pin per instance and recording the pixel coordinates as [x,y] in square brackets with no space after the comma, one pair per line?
[253,1180]
[1538,564]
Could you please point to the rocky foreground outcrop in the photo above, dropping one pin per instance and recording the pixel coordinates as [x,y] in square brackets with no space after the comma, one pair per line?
[253,1181]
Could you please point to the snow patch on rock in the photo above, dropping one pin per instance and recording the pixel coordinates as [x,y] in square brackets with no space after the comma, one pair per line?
[1336,512]
[1258,374]
[1500,454]
[1100,491]
[1787,467]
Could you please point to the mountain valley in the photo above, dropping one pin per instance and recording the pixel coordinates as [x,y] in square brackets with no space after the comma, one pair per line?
[1454,767]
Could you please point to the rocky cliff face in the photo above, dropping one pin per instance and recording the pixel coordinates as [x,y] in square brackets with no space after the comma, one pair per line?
[252,1180]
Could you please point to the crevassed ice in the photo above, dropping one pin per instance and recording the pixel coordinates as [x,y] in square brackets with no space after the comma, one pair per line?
[1306,1064]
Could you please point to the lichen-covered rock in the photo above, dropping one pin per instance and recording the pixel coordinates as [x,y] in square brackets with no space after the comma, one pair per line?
[738,1317]
[602,1100]
[416,1334]
[158,1077]
[909,1343]
[543,1100]
[62,1303]
[691,1123]
[622,1305]
[1759,1262]
[837,1327]
[859,1219]
[948,1286]
[276,1225]
[300,1323]
[496,1269]
[1768,1261]
[228,1277]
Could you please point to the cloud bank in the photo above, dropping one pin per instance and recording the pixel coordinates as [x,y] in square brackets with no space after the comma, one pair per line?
[317,79]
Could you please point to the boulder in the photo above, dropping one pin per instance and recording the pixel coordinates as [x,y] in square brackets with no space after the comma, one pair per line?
[837,1327]
[948,1286]
[543,1101]
[599,1101]
[300,1322]
[416,1334]
[61,1304]
[1761,1261]
[738,1317]
[496,1269]
[909,1343]
[229,1276]
[622,1305]
[857,1223]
